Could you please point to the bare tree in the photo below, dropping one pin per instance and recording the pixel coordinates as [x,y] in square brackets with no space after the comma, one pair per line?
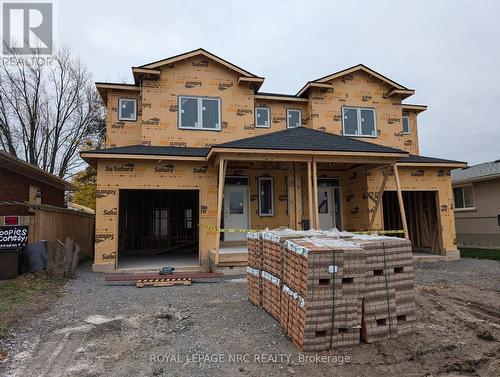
[49,111]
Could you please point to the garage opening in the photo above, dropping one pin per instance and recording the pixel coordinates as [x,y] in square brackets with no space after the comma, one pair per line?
[158,228]
[422,217]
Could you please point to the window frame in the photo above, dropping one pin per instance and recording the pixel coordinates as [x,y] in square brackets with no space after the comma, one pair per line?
[461,187]
[271,179]
[358,114]
[159,220]
[287,118]
[268,110]
[403,127]
[199,100]
[120,118]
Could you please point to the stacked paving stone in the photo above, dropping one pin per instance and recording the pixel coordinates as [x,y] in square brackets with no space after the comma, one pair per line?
[329,289]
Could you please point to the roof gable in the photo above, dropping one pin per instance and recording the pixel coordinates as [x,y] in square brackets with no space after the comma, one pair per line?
[360,67]
[197,52]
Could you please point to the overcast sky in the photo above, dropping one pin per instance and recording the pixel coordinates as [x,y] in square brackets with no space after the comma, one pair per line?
[448,51]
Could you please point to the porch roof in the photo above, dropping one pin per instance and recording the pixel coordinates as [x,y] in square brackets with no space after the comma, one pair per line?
[419,160]
[307,139]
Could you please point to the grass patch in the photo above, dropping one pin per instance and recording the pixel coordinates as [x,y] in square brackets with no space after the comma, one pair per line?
[466,252]
[23,290]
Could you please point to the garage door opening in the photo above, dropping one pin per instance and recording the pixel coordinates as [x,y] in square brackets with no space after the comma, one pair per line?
[422,217]
[158,228]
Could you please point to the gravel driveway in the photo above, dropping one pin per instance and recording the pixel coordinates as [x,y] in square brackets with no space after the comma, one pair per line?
[210,329]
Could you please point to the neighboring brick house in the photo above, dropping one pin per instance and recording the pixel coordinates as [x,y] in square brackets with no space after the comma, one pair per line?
[476,191]
[25,183]
[195,155]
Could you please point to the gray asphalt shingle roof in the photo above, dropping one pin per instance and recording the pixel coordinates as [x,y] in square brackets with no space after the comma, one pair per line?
[484,170]
[154,150]
[302,138]
[424,159]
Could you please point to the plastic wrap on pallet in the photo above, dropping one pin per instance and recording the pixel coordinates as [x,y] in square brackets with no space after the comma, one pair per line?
[289,291]
[254,235]
[253,271]
[270,277]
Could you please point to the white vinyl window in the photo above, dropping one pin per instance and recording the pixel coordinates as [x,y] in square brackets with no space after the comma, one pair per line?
[127,109]
[463,197]
[199,113]
[359,121]
[406,124]
[266,197]
[293,118]
[262,117]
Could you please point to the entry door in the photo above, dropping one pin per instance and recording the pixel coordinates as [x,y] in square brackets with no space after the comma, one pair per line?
[326,207]
[235,211]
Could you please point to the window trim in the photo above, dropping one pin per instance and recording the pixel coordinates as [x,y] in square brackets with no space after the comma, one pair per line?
[271,179]
[199,100]
[300,118]
[462,209]
[268,116]
[402,124]
[358,110]
[120,118]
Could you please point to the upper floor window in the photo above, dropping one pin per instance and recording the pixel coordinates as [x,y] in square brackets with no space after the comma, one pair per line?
[293,118]
[199,113]
[127,109]
[359,121]
[262,117]
[406,124]
[463,197]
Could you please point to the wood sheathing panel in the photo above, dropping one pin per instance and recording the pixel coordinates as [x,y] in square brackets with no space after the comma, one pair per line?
[421,179]
[122,133]
[361,90]
[113,175]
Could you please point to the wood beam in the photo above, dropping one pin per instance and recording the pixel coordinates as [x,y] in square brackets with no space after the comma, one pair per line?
[379,197]
[315,193]
[400,200]
[291,196]
[310,194]
[298,195]
[220,196]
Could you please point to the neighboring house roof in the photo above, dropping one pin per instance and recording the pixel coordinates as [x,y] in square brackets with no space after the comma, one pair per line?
[302,138]
[153,150]
[480,172]
[412,158]
[18,166]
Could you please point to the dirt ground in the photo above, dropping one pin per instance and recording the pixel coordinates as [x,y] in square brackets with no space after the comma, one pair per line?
[201,330]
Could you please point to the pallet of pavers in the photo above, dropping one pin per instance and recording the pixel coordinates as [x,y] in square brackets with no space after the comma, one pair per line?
[331,312]
[271,294]
[389,298]
[254,269]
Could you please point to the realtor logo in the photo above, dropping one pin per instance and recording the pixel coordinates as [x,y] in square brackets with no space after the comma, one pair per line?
[27,28]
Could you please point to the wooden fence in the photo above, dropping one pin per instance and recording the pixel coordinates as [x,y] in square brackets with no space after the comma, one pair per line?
[53,224]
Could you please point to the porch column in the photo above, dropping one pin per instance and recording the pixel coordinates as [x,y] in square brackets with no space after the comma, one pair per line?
[298,195]
[315,194]
[220,195]
[291,196]
[310,194]
[400,200]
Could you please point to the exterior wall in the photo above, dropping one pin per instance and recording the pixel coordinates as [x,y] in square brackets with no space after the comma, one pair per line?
[113,175]
[157,122]
[479,226]
[16,187]
[361,90]
[120,133]
[424,179]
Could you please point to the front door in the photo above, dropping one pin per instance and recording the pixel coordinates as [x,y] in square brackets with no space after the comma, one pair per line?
[235,212]
[325,207]
[329,207]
